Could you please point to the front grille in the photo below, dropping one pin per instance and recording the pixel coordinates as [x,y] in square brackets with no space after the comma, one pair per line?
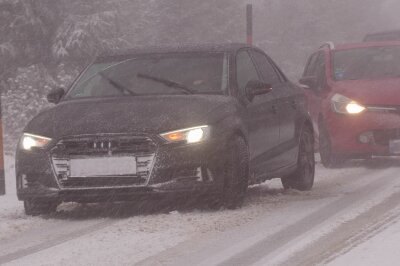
[105,146]
[383,137]
[141,149]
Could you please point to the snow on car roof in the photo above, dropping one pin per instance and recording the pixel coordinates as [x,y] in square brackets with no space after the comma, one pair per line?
[227,47]
[366,45]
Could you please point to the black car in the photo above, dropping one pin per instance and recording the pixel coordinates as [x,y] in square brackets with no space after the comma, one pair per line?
[194,120]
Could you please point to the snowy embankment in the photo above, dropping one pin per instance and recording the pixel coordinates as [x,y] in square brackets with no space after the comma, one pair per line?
[12,217]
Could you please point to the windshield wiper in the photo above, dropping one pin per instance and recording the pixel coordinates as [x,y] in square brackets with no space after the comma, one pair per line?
[116,84]
[167,82]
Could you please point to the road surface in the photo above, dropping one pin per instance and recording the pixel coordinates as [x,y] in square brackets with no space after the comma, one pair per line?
[342,221]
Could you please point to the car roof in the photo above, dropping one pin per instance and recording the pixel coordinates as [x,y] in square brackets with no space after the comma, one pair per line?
[391,35]
[348,46]
[186,48]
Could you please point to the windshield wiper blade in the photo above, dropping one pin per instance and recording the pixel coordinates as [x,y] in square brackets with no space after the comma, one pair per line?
[116,84]
[167,82]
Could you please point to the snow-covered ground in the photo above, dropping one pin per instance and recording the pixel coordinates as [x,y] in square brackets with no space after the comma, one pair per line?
[273,227]
[117,237]
[380,249]
[12,217]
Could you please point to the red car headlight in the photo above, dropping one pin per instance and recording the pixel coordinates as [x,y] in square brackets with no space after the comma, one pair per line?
[343,105]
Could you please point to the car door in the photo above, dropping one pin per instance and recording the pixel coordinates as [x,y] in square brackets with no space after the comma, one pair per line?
[261,116]
[313,105]
[286,102]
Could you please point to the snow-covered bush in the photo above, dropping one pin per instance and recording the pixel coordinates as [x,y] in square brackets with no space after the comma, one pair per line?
[26,97]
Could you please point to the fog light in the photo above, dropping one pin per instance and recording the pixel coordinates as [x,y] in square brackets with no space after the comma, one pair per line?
[367,137]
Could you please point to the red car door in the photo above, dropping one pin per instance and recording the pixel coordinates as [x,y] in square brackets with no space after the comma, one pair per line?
[316,93]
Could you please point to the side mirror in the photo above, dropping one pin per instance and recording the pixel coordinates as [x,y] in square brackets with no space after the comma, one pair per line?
[255,88]
[309,82]
[55,95]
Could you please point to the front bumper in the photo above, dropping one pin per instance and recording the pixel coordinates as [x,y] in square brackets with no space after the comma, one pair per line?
[173,189]
[378,128]
[173,173]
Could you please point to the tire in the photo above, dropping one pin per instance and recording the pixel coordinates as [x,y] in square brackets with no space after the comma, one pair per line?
[235,173]
[37,208]
[328,158]
[303,178]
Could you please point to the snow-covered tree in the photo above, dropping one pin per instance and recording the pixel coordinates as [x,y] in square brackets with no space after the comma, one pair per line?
[87,28]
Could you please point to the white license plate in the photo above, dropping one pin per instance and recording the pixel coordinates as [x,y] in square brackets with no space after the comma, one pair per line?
[103,166]
[394,146]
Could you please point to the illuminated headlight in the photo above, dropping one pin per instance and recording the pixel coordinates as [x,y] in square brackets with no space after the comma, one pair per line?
[30,141]
[343,105]
[188,135]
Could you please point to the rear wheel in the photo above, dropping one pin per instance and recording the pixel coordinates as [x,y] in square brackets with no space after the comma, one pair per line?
[37,208]
[328,158]
[236,173]
[303,178]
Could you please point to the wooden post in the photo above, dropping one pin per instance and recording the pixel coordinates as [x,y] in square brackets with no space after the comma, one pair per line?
[249,24]
[2,176]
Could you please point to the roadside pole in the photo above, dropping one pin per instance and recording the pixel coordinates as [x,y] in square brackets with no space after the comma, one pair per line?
[2,176]
[249,23]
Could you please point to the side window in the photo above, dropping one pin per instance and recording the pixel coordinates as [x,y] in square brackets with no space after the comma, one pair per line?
[320,71]
[268,72]
[245,70]
[279,71]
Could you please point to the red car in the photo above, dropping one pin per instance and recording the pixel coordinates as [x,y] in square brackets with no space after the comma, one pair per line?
[353,93]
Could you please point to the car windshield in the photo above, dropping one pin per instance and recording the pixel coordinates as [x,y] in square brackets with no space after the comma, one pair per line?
[166,74]
[367,63]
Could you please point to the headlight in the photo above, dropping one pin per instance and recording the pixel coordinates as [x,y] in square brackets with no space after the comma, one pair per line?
[343,105]
[30,141]
[188,135]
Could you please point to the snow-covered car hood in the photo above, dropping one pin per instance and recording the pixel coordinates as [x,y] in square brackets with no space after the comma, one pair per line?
[144,114]
[371,92]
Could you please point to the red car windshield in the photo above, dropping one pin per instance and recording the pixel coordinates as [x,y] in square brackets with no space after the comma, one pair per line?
[367,63]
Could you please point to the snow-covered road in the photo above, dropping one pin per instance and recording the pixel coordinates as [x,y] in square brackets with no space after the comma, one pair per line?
[334,223]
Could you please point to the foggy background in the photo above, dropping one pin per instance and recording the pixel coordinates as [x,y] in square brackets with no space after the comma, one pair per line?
[45,43]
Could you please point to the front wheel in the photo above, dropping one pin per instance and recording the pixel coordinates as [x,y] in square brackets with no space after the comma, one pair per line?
[236,173]
[303,178]
[37,208]
[328,158]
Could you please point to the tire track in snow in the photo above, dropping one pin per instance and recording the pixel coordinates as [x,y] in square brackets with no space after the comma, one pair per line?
[250,249]
[350,234]
[55,241]
[278,240]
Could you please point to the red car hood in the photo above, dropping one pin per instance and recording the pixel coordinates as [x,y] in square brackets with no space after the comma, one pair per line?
[371,92]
